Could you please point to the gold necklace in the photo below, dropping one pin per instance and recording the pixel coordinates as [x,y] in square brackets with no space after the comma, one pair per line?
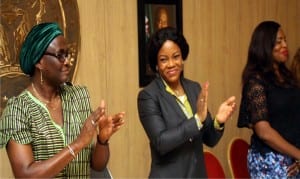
[45,102]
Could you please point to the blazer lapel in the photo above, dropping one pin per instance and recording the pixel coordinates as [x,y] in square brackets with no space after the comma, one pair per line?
[170,99]
[189,91]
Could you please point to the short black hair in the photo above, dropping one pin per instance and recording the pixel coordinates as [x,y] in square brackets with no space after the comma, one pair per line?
[159,38]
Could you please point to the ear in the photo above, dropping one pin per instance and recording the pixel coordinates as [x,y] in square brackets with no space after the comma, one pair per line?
[39,64]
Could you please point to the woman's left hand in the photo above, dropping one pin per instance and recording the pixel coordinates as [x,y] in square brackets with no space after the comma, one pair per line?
[108,125]
[226,109]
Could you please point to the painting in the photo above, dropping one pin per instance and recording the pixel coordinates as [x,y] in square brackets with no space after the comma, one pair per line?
[152,16]
[17,18]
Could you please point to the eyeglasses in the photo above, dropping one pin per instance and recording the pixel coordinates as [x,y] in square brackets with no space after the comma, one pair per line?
[61,57]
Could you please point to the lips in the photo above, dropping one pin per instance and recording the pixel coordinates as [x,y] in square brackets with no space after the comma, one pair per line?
[67,71]
[285,52]
[172,72]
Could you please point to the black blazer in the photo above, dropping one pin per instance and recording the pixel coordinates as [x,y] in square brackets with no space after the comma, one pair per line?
[176,142]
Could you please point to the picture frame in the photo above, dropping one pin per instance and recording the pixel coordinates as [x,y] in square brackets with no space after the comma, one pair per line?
[153,15]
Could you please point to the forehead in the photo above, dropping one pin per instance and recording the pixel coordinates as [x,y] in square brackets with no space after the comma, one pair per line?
[169,46]
[280,33]
[58,42]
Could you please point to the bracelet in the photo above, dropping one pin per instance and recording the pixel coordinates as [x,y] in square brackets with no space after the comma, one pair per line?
[102,143]
[71,151]
[217,125]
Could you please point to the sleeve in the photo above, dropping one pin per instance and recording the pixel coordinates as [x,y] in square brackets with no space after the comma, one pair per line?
[164,139]
[254,104]
[14,123]
[211,135]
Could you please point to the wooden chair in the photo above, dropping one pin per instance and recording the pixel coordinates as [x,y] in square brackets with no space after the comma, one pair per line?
[213,166]
[237,158]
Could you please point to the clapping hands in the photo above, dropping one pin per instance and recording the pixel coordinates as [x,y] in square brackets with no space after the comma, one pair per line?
[225,110]
[108,125]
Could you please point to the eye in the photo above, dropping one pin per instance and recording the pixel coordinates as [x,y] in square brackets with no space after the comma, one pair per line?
[63,55]
[280,40]
[163,60]
[177,56]
[60,55]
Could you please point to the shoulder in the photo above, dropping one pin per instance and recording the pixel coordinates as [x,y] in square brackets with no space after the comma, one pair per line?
[255,83]
[152,88]
[18,101]
[190,83]
[75,90]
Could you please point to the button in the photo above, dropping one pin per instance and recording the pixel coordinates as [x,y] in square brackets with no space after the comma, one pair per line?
[190,139]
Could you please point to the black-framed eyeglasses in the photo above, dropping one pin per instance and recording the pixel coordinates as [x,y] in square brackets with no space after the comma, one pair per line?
[62,57]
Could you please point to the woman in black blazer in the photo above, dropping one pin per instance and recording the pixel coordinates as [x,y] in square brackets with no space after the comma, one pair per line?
[173,111]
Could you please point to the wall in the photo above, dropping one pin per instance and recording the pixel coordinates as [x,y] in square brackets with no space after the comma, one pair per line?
[218,32]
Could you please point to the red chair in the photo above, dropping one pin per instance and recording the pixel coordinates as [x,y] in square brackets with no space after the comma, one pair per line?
[237,158]
[213,166]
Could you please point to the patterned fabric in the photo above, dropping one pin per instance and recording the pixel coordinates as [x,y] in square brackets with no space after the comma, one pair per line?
[27,121]
[270,165]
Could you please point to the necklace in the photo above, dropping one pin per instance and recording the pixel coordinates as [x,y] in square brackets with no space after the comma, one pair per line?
[44,101]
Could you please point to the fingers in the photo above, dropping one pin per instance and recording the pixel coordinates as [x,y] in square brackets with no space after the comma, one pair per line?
[226,109]
[202,101]
[293,170]
[206,84]
[118,121]
[118,117]
[204,92]
[231,103]
[98,113]
[231,100]
[102,106]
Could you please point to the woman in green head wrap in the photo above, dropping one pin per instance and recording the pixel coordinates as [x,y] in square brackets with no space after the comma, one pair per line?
[50,130]
[35,44]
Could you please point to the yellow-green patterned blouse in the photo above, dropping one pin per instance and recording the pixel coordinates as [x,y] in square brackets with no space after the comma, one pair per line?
[27,121]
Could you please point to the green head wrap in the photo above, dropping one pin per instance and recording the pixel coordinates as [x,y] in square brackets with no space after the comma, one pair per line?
[35,44]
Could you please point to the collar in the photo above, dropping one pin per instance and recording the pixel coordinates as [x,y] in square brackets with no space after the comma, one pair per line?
[167,87]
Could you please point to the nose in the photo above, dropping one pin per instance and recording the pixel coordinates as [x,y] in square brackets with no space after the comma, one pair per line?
[284,43]
[171,62]
[68,60]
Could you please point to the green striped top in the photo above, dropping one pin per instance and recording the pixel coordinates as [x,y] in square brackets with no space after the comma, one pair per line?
[27,121]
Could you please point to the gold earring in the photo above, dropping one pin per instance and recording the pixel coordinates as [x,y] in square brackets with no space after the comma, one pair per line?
[42,80]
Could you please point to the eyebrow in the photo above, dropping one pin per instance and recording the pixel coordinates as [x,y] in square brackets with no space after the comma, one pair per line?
[58,50]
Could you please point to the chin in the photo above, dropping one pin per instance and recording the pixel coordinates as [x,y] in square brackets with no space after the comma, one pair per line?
[172,79]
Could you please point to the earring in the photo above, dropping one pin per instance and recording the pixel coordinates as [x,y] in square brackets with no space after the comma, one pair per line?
[42,80]
[156,68]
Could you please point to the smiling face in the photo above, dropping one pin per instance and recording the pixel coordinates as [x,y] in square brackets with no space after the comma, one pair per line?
[280,51]
[170,62]
[55,64]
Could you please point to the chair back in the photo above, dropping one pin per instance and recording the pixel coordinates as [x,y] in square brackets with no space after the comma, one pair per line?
[213,166]
[237,158]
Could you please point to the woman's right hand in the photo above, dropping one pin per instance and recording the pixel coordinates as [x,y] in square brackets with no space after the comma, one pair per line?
[293,169]
[90,126]
[202,102]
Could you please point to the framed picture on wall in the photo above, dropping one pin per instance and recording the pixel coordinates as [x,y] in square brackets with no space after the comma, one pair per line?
[153,15]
